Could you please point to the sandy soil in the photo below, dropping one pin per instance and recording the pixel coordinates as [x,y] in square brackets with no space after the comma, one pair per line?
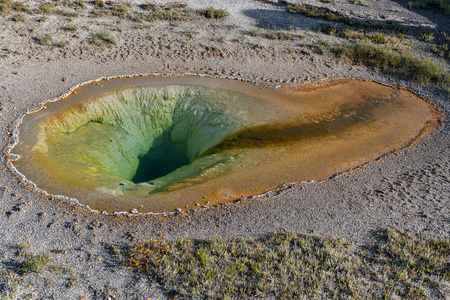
[407,190]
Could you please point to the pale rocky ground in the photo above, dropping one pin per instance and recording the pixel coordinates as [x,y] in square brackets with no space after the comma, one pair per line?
[408,190]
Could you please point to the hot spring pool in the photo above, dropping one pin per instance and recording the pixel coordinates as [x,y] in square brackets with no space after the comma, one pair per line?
[156,144]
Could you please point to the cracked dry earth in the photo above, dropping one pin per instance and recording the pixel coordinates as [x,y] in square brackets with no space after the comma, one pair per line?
[409,190]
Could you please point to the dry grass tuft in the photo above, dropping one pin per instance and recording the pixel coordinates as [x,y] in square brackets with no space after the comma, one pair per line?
[289,265]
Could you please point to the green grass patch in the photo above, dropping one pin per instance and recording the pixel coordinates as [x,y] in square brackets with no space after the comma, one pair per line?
[170,14]
[99,3]
[290,265]
[102,38]
[401,63]
[43,40]
[327,29]
[441,50]
[417,257]
[119,10]
[212,13]
[46,7]
[179,12]
[318,13]
[395,41]
[425,36]
[36,263]
[280,35]
[62,44]
[443,5]
[322,47]
[9,6]
[76,4]
[254,32]
[18,18]
[70,27]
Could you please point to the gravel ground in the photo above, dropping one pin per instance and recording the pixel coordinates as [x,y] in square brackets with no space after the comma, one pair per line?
[407,190]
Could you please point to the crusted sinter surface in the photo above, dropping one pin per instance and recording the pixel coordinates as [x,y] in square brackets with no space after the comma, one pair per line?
[407,190]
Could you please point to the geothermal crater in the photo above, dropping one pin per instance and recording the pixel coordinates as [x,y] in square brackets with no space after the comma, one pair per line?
[157,144]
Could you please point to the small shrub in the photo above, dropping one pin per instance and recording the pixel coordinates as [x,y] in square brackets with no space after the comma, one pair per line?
[98,13]
[321,47]
[66,13]
[18,18]
[138,18]
[351,34]
[233,26]
[441,50]
[318,13]
[212,13]
[148,6]
[330,30]
[254,32]
[76,4]
[119,10]
[379,38]
[36,263]
[44,39]
[46,7]
[71,27]
[62,44]
[19,6]
[443,5]
[171,14]
[99,3]
[259,47]
[280,35]
[3,7]
[71,281]
[102,38]
[425,36]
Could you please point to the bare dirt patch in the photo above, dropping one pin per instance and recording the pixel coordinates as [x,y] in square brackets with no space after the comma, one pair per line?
[43,54]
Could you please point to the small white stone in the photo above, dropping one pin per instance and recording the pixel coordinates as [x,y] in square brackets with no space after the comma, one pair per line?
[134,211]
